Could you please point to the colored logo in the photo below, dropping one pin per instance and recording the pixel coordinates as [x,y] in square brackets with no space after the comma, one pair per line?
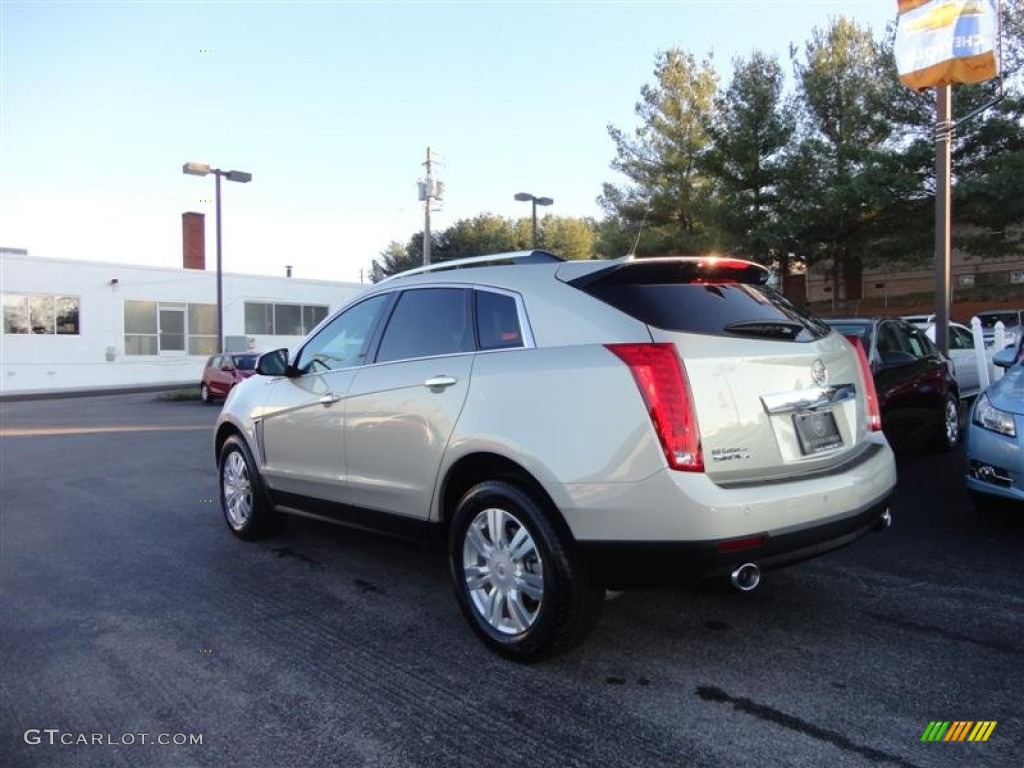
[958,730]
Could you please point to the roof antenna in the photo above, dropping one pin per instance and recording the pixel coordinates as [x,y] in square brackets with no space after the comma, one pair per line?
[636,242]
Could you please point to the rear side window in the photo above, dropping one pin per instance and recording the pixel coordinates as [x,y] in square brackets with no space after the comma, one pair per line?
[428,322]
[497,321]
[723,302]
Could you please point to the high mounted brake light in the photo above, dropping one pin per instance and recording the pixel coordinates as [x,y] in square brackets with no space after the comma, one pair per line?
[662,381]
[870,394]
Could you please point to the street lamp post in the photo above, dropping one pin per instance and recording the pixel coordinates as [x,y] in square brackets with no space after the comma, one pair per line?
[535,201]
[201,169]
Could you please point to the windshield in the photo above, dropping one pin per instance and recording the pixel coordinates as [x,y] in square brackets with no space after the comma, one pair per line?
[245,362]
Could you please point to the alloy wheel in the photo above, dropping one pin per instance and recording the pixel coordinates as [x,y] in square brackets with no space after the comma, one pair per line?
[503,571]
[237,490]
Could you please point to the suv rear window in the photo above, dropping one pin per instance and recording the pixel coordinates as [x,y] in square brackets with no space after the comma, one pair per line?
[724,297]
[989,319]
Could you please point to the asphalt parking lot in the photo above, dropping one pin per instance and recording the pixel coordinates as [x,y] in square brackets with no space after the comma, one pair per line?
[130,613]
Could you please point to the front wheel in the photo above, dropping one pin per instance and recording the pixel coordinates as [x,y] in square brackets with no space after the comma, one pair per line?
[243,498]
[515,576]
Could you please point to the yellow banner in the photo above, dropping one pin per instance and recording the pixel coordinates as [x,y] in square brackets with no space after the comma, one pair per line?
[942,42]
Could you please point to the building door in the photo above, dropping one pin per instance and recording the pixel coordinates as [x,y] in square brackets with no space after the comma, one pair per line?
[172,330]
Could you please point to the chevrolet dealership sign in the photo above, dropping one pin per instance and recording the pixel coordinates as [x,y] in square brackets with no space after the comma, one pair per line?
[941,42]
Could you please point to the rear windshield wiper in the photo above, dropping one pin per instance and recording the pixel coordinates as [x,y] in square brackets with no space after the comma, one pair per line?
[768,329]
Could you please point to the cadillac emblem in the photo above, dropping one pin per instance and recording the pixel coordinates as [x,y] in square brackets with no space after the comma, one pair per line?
[819,373]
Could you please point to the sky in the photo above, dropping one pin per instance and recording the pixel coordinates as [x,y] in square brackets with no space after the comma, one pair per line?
[331,107]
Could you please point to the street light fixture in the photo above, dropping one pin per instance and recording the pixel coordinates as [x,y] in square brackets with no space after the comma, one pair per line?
[243,177]
[524,197]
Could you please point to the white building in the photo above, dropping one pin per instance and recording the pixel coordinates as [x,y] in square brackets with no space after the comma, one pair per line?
[83,325]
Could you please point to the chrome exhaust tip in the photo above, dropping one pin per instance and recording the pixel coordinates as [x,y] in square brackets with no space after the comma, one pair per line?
[746,577]
[885,521]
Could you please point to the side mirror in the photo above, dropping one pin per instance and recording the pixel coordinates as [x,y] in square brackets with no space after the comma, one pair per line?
[1004,358]
[273,363]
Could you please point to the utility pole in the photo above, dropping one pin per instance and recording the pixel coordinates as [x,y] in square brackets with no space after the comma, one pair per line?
[943,139]
[426,213]
[430,190]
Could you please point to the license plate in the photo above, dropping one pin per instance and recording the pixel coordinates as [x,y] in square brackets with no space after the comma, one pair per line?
[817,432]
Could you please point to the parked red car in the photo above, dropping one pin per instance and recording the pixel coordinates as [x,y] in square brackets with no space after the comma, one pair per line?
[917,394]
[222,372]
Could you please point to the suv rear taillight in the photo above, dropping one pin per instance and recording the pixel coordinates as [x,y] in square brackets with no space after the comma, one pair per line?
[659,375]
[870,395]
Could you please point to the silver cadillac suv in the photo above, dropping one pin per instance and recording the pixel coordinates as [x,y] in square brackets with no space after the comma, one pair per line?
[567,427]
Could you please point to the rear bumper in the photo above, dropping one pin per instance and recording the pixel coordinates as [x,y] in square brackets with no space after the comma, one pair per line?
[620,565]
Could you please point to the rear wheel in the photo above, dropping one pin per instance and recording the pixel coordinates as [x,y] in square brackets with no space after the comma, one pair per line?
[204,393]
[515,575]
[949,425]
[243,497]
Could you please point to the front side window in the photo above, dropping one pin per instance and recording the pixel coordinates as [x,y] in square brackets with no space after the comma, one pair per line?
[888,340]
[344,341]
[426,323]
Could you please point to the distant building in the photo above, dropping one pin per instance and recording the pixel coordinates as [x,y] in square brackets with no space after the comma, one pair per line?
[83,325]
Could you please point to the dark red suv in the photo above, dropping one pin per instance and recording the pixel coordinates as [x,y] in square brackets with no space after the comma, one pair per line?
[222,372]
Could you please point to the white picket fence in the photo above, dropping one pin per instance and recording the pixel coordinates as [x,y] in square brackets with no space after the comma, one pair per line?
[987,373]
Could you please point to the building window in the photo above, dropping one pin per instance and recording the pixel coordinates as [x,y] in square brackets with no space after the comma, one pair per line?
[288,319]
[202,329]
[268,319]
[259,318]
[152,327]
[312,316]
[41,313]
[140,337]
[67,315]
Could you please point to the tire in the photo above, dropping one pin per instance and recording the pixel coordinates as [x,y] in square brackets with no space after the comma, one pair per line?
[948,437]
[525,594]
[243,497]
[204,393]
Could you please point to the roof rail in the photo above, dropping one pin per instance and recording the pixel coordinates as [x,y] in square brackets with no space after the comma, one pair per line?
[494,259]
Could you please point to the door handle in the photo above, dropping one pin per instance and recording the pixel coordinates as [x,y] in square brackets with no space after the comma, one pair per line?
[329,398]
[439,382]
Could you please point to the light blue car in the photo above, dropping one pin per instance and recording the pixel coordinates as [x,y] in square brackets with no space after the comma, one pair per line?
[994,439]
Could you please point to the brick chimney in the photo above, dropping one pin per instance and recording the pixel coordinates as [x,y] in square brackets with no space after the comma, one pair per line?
[193,237]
